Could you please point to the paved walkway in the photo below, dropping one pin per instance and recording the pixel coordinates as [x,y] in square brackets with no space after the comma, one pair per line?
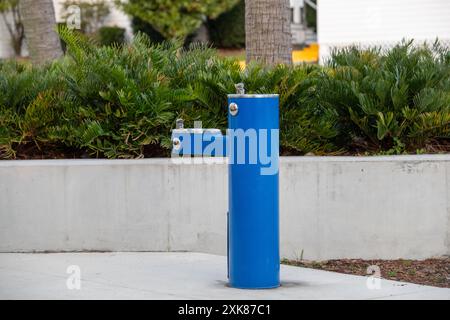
[176,276]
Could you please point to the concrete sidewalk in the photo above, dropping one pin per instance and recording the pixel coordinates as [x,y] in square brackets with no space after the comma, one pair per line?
[177,276]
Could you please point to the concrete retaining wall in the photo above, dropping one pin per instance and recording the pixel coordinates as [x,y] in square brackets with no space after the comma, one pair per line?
[330,207]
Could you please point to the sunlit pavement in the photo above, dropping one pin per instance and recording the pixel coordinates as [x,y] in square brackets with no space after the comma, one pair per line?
[164,275]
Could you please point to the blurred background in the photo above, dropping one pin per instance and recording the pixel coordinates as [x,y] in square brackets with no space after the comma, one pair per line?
[316,25]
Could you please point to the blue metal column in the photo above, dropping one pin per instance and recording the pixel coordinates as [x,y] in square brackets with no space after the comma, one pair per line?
[253,253]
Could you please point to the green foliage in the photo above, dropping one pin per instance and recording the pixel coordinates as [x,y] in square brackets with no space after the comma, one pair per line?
[122,101]
[176,19]
[228,29]
[401,95]
[115,102]
[111,36]
[225,31]
[141,26]
[6,5]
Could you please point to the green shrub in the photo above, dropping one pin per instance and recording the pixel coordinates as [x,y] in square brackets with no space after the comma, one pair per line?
[402,93]
[115,102]
[111,36]
[122,101]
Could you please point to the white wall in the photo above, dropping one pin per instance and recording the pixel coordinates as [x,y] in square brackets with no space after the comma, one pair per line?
[330,207]
[378,22]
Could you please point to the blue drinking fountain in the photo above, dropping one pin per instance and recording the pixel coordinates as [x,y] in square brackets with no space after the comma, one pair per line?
[252,148]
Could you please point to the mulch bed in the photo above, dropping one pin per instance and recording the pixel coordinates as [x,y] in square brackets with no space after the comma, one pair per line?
[431,272]
[31,151]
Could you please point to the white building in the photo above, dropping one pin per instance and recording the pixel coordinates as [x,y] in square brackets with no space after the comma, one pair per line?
[380,22]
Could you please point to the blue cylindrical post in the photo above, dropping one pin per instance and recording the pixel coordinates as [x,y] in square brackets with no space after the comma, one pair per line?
[253,226]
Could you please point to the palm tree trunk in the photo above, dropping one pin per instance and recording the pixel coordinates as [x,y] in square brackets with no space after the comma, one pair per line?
[268,31]
[39,23]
